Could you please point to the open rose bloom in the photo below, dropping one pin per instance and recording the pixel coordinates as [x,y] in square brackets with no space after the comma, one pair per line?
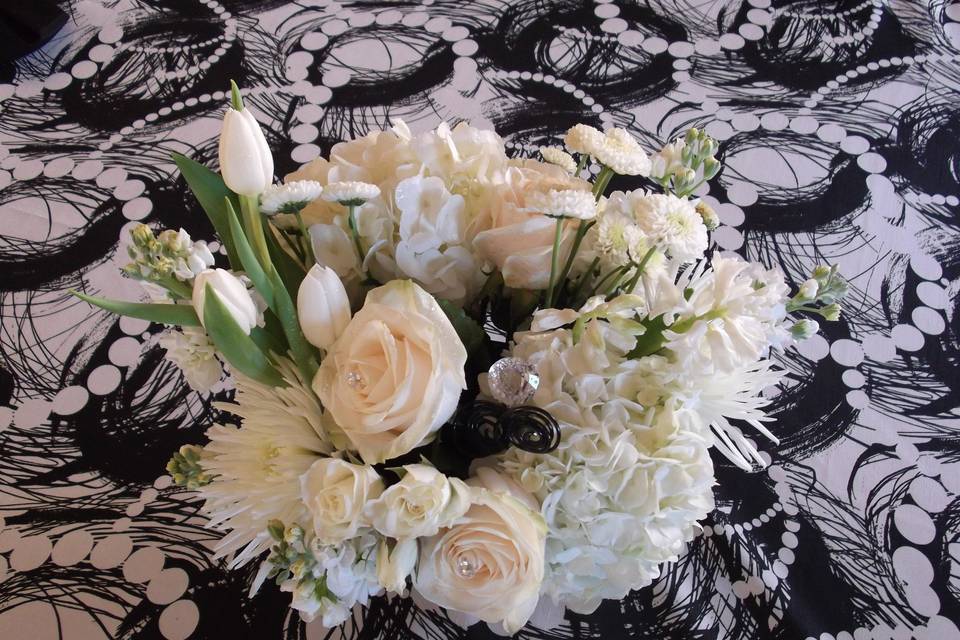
[489,382]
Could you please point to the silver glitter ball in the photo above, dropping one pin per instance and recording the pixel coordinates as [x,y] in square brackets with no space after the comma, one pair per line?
[513,381]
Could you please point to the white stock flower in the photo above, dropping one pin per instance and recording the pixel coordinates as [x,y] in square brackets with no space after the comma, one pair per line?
[350,192]
[231,292]
[191,350]
[559,157]
[336,492]
[256,467]
[565,203]
[289,197]
[490,562]
[245,160]
[191,257]
[394,376]
[809,288]
[419,505]
[664,162]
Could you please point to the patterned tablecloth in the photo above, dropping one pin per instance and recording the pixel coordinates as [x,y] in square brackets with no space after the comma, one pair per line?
[838,124]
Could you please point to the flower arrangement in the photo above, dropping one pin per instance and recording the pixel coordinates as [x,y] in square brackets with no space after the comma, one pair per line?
[478,377]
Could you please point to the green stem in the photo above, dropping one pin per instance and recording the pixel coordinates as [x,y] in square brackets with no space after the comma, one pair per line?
[689,191]
[355,232]
[253,222]
[643,263]
[577,241]
[586,275]
[616,274]
[581,165]
[177,288]
[306,238]
[603,179]
[294,247]
[554,262]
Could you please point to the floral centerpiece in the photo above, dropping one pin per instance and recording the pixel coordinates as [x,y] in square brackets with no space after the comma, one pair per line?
[480,378]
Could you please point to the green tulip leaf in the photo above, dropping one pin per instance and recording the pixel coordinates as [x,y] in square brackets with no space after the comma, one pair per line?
[181,315]
[210,191]
[239,349]
[470,332]
[247,257]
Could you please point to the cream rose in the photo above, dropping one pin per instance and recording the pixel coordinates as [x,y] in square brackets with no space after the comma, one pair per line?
[490,562]
[517,239]
[336,492]
[394,376]
[420,504]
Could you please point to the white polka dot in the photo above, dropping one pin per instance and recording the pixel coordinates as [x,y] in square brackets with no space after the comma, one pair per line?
[466,47]
[745,122]
[389,17]
[846,352]
[167,586]
[855,145]
[83,69]
[786,556]
[606,11]
[780,569]
[314,40]
[129,190]
[30,552]
[630,38]
[831,133]
[163,482]
[707,47]
[789,540]
[731,41]
[814,348]
[101,53]
[907,337]
[305,153]
[304,133]
[928,320]
[58,167]
[179,620]
[730,214]
[28,170]
[125,352]
[719,130]
[57,81]
[853,378]
[110,34]
[804,125]
[872,162]
[334,27]
[655,45]
[751,31]
[415,19]
[111,551]
[912,566]
[336,77]
[680,49]
[143,565]
[923,599]
[741,589]
[72,548]
[774,121]
[929,494]
[87,170]
[137,209]
[614,25]
[857,399]
[728,238]
[914,524]
[933,295]
[104,379]
[69,400]
[879,348]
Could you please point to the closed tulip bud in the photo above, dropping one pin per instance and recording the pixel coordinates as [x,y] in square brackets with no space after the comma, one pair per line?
[393,567]
[232,294]
[245,160]
[323,307]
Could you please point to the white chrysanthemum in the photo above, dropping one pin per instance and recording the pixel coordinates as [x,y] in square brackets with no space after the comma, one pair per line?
[193,353]
[350,192]
[349,573]
[671,222]
[563,203]
[621,152]
[559,157]
[619,239]
[669,159]
[582,138]
[624,490]
[257,466]
[290,197]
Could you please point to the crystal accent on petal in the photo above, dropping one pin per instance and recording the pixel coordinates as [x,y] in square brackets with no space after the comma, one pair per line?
[465,568]
[513,381]
[355,380]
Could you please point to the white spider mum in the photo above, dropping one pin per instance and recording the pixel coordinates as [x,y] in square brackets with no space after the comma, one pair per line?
[673,222]
[290,197]
[350,193]
[256,467]
[621,152]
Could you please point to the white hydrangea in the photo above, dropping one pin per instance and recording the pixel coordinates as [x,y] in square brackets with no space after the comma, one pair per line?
[349,573]
[632,475]
[289,197]
[194,354]
[350,191]
[563,203]
[559,157]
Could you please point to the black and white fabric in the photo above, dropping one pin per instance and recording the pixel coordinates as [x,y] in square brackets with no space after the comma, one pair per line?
[838,124]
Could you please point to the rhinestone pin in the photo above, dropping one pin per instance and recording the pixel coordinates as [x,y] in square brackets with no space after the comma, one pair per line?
[513,381]
[466,568]
[355,380]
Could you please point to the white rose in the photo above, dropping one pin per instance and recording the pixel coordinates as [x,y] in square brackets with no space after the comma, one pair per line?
[420,504]
[394,376]
[490,562]
[514,238]
[336,492]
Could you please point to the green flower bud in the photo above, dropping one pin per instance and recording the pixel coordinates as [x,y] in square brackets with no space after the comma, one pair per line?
[831,312]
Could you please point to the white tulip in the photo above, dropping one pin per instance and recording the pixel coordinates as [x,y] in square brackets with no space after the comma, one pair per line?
[232,294]
[245,160]
[323,306]
[393,567]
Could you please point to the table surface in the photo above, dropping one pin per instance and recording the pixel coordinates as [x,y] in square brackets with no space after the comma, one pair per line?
[838,124]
